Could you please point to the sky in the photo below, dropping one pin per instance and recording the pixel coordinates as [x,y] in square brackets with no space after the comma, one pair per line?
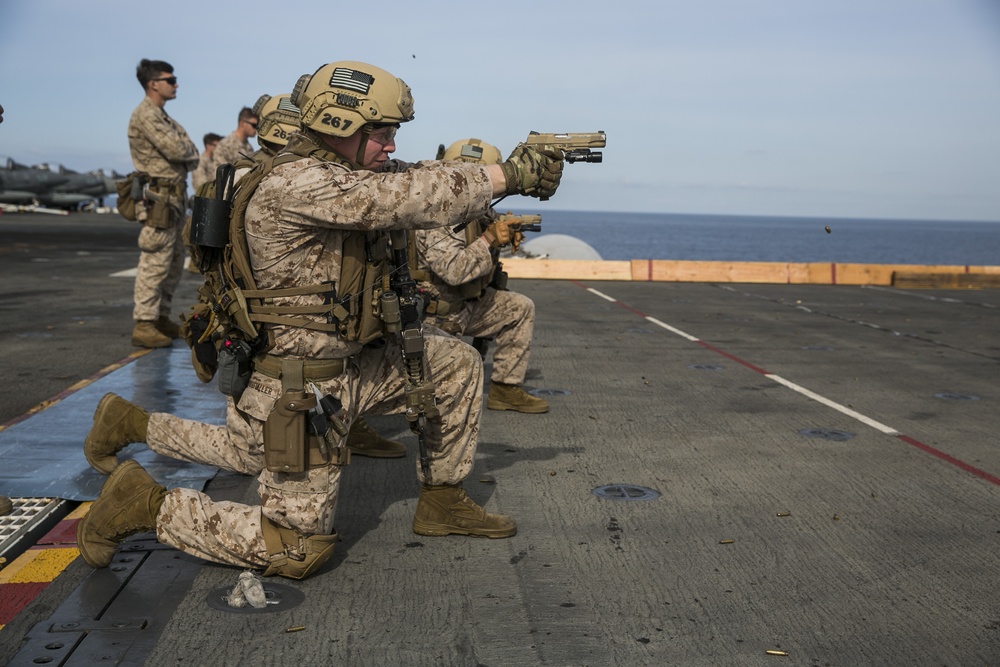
[819,108]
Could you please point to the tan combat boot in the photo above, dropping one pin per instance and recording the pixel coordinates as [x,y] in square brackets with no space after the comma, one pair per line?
[145,334]
[514,397]
[128,504]
[168,327]
[116,423]
[6,505]
[447,510]
[363,440]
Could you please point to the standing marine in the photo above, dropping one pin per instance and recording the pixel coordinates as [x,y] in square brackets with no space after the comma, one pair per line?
[163,152]
[314,234]
[236,144]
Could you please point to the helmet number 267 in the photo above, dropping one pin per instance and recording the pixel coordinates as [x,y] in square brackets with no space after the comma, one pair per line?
[336,121]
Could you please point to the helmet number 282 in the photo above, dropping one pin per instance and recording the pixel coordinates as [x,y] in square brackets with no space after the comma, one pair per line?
[336,121]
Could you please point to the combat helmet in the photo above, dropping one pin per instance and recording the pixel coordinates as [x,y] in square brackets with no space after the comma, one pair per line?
[343,97]
[473,150]
[278,118]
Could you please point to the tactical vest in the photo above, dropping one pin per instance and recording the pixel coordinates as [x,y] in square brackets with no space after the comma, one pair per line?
[470,290]
[354,314]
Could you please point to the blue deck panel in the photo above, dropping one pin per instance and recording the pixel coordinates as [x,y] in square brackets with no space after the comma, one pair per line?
[43,455]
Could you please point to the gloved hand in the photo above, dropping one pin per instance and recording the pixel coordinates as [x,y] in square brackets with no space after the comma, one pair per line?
[533,171]
[497,234]
[516,239]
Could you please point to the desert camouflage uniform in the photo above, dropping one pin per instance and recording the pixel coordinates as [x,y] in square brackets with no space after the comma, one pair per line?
[162,149]
[204,173]
[506,316]
[295,226]
[230,149]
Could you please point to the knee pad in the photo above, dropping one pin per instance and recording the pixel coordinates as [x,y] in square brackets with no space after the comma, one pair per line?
[293,555]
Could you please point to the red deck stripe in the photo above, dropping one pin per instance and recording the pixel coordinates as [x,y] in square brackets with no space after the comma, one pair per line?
[733,358]
[63,532]
[958,463]
[15,597]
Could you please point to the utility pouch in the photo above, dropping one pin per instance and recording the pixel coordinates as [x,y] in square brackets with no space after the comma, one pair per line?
[161,211]
[210,217]
[129,192]
[286,448]
[234,367]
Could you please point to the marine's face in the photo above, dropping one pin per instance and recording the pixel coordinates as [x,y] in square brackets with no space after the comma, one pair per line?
[381,144]
[251,126]
[164,84]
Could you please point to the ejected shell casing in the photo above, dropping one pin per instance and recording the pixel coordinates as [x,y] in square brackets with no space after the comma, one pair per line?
[726,541]
[776,652]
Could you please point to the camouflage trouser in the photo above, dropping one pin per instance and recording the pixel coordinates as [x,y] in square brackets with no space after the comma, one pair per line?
[509,318]
[228,532]
[237,446]
[161,262]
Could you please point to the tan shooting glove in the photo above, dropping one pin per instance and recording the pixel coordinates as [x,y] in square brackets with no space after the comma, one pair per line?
[516,239]
[497,234]
[533,171]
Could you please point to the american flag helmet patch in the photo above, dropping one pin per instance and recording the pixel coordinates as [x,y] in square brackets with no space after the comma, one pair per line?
[351,79]
[285,104]
[474,152]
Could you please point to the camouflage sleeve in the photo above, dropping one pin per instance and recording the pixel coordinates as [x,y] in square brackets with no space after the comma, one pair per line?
[445,254]
[326,194]
[394,166]
[168,138]
[229,150]
[203,173]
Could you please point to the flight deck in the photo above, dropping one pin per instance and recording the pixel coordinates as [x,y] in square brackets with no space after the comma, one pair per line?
[730,474]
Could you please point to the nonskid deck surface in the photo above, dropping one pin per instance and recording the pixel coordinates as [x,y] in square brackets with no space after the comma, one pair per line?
[726,470]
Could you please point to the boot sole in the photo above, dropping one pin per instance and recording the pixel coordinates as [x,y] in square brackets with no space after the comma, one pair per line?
[102,467]
[421,529]
[507,406]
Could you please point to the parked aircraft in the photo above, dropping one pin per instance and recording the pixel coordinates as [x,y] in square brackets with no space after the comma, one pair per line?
[20,184]
[62,188]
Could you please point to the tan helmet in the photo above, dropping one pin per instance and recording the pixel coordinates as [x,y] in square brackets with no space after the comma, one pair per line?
[342,97]
[277,118]
[473,150]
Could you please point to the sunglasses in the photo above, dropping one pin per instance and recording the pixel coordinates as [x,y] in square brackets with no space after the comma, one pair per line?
[172,80]
[384,136]
[252,124]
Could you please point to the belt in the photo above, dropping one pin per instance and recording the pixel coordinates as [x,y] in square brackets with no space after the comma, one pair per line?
[315,369]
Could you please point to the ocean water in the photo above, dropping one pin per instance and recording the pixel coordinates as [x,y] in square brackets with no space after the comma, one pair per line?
[777,239]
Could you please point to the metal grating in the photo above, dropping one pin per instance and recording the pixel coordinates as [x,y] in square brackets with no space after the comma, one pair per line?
[29,517]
